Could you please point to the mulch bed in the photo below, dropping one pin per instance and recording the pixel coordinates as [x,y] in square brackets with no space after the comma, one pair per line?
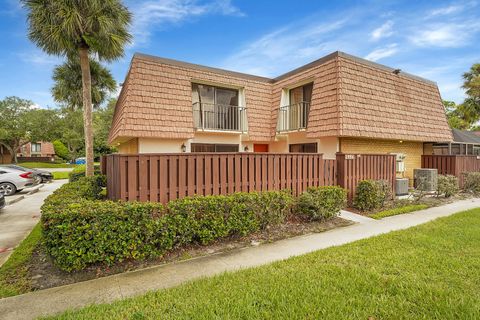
[44,274]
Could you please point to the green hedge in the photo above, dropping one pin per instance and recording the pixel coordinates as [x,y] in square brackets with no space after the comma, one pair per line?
[79,172]
[80,230]
[472,182]
[371,194]
[321,202]
[447,185]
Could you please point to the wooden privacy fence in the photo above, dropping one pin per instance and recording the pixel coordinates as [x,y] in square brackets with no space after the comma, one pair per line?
[164,177]
[455,165]
[352,168]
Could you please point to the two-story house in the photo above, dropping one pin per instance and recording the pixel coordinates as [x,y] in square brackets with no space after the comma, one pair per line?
[339,103]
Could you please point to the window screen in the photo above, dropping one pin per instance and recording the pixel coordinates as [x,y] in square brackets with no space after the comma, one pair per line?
[210,147]
[303,147]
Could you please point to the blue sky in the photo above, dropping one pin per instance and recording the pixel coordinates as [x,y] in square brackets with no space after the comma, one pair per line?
[438,40]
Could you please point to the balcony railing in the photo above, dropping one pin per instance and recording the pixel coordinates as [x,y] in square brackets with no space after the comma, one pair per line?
[222,117]
[293,117]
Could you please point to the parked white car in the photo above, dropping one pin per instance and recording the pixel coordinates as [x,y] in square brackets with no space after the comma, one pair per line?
[12,180]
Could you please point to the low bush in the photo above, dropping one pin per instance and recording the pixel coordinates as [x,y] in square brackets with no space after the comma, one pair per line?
[79,172]
[371,194]
[80,230]
[447,185]
[472,182]
[321,202]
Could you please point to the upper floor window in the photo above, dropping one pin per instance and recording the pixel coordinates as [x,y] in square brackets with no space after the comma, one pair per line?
[301,94]
[293,115]
[210,95]
[36,147]
[216,108]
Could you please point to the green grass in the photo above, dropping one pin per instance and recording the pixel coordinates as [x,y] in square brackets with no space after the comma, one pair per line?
[431,271]
[60,175]
[399,210]
[46,165]
[13,273]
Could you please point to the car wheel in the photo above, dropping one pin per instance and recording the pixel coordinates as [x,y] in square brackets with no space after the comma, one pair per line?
[7,188]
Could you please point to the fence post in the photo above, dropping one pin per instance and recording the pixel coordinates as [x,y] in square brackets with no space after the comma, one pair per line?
[341,177]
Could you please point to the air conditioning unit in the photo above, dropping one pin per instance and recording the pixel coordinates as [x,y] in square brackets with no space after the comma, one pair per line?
[425,179]
[401,186]
[400,158]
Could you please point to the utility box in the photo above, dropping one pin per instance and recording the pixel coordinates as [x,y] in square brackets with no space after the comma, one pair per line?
[426,179]
[401,186]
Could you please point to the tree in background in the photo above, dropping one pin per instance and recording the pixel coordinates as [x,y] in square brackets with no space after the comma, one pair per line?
[72,133]
[61,150]
[455,115]
[102,121]
[67,88]
[80,28]
[471,85]
[20,124]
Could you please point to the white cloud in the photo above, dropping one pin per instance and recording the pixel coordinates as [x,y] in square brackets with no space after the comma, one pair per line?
[158,13]
[381,53]
[384,31]
[446,35]
[39,58]
[286,48]
[451,9]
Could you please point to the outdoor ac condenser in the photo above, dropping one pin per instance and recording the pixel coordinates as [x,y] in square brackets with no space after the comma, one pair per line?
[401,186]
[426,179]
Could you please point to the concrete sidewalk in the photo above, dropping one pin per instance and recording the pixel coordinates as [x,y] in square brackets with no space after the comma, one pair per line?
[18,219]
[108,289]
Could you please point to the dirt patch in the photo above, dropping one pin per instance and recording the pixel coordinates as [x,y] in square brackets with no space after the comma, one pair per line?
[44,274]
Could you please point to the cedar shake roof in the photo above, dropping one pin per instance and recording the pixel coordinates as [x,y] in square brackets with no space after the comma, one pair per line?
[351,97]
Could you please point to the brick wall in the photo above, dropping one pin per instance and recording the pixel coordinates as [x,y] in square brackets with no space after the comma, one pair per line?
[413,150]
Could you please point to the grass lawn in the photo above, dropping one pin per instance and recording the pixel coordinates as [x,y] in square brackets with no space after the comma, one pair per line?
[13,273]
[46,165]
[399,210]
[60,175]
[428,272]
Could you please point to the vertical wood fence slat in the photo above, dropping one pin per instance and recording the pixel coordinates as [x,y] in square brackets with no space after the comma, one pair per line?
[456,165]
[164,177]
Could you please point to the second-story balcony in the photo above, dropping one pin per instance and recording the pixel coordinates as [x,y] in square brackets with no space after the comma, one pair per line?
[293,117]
[219,117]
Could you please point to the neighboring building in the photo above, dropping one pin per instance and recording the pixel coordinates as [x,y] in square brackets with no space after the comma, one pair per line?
[339,103]
[464,143]
[37,151]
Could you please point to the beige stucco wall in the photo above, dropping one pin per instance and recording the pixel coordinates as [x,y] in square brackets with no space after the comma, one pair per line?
[155,145]
[328,145]
[413,150]
[128,147]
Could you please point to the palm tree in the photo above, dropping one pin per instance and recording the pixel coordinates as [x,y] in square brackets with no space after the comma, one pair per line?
[80,28]
[67,88]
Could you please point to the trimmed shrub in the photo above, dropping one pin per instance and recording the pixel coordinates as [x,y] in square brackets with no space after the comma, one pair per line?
[80,230]
[79,172]
[472,182]
[371,194]
[321,202]
[447,185]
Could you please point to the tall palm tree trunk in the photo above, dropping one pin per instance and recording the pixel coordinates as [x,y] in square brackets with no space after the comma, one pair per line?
[87,109]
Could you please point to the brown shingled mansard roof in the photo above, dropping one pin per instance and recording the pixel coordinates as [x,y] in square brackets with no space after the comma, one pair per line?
[351,97]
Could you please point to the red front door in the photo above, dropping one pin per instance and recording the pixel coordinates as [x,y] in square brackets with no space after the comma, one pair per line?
[260,148]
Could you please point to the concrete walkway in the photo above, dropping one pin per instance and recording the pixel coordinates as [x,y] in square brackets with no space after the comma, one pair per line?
[108,289]
[18,219]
